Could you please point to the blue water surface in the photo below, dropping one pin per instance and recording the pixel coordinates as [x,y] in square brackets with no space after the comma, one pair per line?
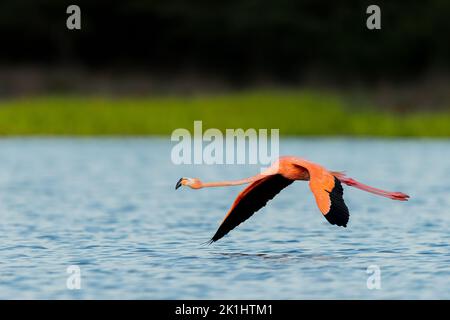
[109,207]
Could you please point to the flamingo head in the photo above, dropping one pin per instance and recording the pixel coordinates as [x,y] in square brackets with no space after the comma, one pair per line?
[192,183]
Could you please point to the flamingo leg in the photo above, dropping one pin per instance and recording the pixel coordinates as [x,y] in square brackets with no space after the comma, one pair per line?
[388,194]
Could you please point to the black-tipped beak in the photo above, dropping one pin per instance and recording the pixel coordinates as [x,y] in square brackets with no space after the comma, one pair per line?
[178,184]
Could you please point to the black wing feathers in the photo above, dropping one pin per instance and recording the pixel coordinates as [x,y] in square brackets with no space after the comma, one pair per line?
[251,199]
[338,213]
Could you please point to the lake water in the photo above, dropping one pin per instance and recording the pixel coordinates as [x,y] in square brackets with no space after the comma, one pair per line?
[109,207]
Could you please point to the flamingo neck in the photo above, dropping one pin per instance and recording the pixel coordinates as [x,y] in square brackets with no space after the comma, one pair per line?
[230,182]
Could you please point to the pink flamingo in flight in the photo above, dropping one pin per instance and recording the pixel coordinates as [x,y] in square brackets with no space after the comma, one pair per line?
[325,186]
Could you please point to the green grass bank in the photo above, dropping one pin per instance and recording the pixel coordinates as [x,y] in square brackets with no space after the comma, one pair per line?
[294,113]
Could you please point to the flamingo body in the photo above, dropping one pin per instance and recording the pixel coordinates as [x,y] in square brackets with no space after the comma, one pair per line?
[325,185]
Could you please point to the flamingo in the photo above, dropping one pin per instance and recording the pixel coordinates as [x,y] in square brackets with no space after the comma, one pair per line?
[325,185]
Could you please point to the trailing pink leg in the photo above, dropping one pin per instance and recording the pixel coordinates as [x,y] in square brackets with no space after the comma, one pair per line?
[353,183]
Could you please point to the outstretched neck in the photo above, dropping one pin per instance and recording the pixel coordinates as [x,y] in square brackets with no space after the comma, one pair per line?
[230,182]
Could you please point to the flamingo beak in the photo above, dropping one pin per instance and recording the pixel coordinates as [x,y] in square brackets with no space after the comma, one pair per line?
[178,184]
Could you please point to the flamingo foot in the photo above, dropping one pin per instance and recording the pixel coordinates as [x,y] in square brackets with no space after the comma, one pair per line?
[398,196]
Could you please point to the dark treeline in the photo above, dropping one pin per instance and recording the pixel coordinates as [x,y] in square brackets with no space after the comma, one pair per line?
[236,39]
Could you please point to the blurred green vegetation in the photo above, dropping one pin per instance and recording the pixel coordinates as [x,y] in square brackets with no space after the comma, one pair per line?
[294,113]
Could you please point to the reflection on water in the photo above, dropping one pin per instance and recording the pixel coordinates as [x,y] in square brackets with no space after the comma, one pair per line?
[109,206]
